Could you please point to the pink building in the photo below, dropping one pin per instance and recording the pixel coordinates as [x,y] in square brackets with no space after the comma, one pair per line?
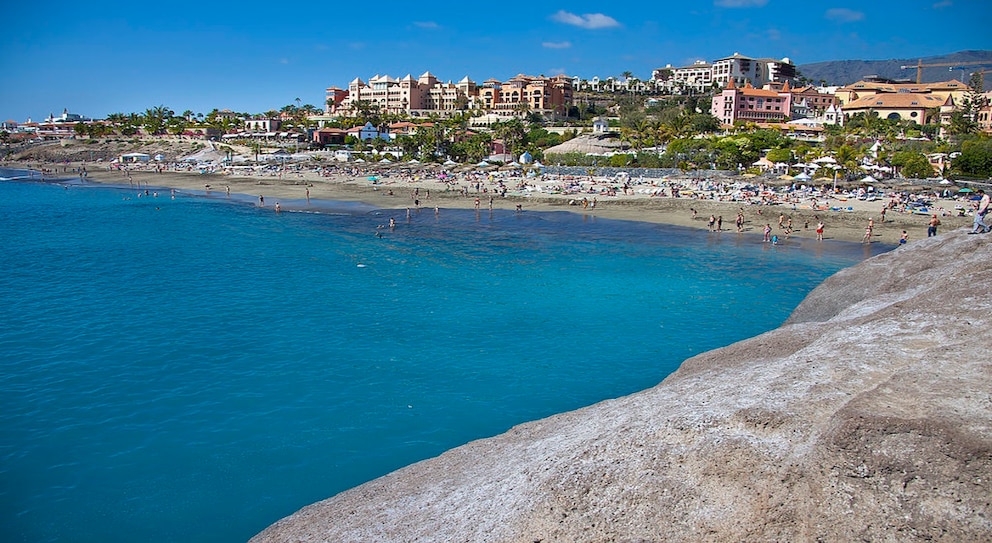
[749,104]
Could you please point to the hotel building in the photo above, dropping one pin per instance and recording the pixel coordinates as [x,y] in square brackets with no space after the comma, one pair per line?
[426,95]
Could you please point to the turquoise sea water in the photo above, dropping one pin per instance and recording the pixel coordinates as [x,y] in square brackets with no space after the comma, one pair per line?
[195,369]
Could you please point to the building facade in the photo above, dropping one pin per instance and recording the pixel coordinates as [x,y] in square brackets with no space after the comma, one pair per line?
[522,94]
[954,89]
[701,76]
[426,95]
[748,104]
[900,106]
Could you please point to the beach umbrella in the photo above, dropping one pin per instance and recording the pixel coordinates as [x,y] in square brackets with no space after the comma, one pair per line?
[965,189]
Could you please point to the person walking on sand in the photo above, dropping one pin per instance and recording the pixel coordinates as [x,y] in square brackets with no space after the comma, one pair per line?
[979,225]
[867,236]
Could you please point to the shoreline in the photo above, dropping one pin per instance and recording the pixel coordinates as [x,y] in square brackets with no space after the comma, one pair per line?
[387,190]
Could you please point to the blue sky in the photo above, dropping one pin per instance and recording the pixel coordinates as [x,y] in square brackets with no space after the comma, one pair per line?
[96,58]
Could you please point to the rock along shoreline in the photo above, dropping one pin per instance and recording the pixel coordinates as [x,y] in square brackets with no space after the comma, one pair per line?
[864,417]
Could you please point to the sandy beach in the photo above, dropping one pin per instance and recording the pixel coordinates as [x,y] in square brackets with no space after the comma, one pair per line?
[844,216]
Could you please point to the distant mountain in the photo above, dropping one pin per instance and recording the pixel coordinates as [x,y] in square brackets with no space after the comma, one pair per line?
[845,72]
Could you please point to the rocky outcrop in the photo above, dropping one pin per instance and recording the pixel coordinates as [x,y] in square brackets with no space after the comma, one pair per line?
[867,416]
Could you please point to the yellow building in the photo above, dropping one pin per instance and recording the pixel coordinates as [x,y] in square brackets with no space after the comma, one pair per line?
[954,89]
[899,106]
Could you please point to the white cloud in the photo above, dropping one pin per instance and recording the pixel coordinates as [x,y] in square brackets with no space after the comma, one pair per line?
[590,21]
[557,44]
[427,25]
[284,61]
[739,3]
[844,15]
[773,34]
[943,4]
[556,71]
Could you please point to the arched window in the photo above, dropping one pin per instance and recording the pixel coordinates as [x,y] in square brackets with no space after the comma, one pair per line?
[894,116]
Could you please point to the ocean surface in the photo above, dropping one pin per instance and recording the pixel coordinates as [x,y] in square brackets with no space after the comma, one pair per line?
[194,369]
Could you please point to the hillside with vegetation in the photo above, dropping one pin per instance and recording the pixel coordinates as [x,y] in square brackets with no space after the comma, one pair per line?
[845,72]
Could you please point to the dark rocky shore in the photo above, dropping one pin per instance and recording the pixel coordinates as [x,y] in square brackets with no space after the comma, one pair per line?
[866,416]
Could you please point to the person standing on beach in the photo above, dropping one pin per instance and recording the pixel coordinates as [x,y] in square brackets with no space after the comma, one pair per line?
[932,226]
[819,231]
[261,201]
[719,223]
[710,223]
[768,232]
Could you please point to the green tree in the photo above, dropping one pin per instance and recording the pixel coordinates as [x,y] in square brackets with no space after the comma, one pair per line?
[912,164]
[779,155]
[155,119]
[975,158]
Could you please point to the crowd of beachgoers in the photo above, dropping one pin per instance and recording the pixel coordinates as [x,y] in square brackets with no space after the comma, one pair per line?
[844,208]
